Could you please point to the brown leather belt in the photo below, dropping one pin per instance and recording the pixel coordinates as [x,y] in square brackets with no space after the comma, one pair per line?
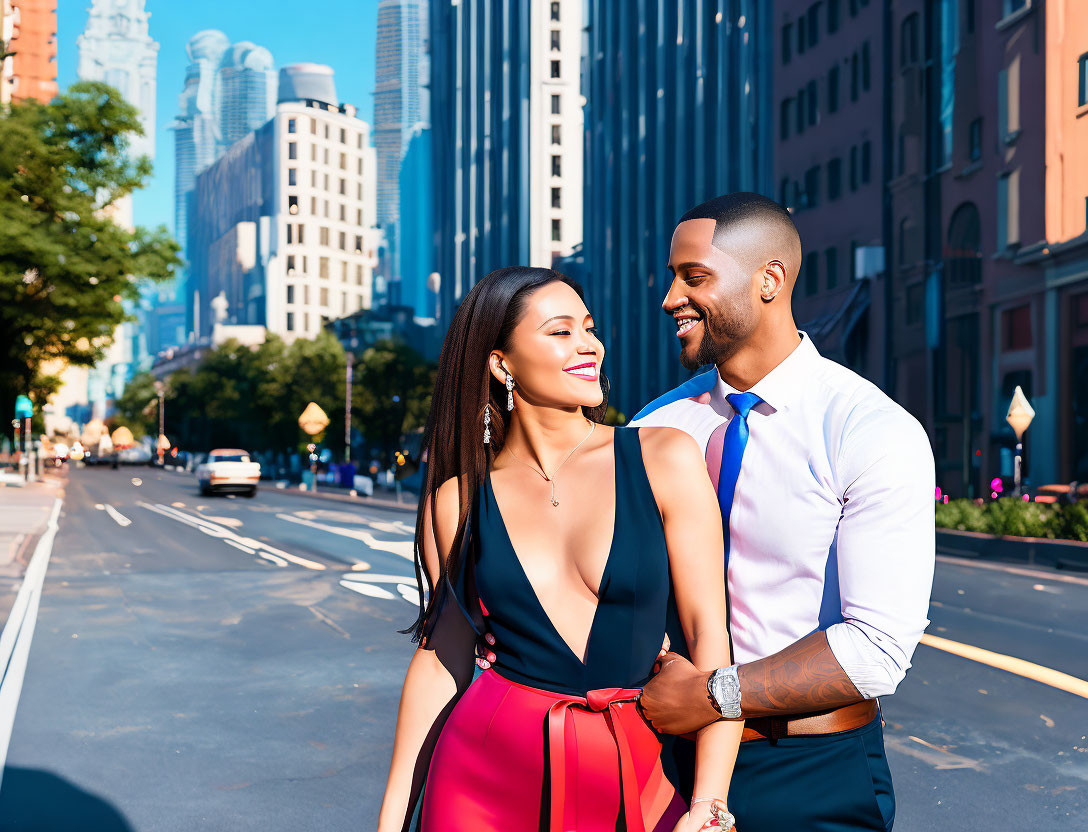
[834,721]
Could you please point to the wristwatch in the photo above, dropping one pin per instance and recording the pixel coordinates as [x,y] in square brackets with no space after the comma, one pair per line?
[723,688]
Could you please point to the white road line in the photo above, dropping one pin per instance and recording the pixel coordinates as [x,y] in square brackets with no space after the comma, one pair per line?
[121,520]
[379,579]
[369,589]
[247,544]
[404,549]
[408,593]
[1026,572]
[19,632]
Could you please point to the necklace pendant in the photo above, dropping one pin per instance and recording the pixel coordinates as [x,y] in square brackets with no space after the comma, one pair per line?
[555,502]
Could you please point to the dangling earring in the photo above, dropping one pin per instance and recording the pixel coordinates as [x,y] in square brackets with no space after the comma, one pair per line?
[487,424]
[509,391]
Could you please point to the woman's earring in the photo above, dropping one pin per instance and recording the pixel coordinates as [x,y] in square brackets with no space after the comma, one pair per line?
[487,424]
[509,391]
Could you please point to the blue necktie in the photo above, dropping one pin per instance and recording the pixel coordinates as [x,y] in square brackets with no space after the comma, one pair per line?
[736,437]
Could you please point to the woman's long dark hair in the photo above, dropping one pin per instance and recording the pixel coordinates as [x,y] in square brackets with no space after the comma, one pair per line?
[453,440]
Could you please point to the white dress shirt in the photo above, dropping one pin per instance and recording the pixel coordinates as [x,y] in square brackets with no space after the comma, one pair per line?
[832,526]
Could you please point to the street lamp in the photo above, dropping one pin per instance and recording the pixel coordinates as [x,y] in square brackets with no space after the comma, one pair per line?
[1019,417]
[160,388]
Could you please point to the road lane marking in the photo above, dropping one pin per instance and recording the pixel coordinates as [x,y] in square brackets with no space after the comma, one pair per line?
[379,579]
[404,549]
[408,593]
[19,632]
[258,547]
[237,545]
[368,589]
[1014,570]
[120,519]
[1020,667]
[940,758]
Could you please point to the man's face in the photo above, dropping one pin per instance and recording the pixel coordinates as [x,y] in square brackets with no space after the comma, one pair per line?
[711,297]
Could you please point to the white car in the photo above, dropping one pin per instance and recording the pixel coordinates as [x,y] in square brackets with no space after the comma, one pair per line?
[229,469]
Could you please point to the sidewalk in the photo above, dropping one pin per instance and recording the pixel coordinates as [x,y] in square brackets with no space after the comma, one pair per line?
[409,502]
[24,513]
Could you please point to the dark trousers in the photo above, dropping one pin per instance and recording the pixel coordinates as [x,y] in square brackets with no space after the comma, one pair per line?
[831,783]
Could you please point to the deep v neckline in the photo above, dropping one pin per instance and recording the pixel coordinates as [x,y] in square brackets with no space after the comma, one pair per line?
[602,586]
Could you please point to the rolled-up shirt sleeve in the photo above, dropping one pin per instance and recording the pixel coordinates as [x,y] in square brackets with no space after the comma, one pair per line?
[885,548]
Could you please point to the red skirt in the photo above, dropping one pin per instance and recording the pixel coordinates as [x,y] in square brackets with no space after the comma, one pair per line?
[510,755]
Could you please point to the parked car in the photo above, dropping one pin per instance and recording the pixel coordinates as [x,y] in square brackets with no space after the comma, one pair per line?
[228,469]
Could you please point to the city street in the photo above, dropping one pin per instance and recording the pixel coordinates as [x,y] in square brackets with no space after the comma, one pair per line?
[222,663]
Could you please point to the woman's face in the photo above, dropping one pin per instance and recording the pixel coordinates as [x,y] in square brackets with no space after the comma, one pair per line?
[554,356]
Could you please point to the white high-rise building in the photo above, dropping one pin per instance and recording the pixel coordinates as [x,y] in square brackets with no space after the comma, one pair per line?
[283,225]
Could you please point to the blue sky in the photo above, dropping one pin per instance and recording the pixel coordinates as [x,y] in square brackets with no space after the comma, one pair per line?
[339,33]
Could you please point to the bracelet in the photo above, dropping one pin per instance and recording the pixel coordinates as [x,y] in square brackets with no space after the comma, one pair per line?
[720,817]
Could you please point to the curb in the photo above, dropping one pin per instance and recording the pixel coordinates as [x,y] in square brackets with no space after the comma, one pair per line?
[344,498]
[1066,555]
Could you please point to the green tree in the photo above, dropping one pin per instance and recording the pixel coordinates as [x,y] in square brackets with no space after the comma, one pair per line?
[392,395]
[65,266]
[138,407]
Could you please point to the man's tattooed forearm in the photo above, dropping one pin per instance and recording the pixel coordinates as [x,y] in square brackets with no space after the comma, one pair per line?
[802,678]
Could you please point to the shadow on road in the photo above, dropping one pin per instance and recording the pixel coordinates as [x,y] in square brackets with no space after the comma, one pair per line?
[32,800]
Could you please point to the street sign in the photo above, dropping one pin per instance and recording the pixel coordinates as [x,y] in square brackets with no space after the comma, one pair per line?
[313,419]
[1020,413]
[24,408]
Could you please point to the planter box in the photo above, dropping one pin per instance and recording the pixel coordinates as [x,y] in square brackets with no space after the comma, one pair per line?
[1037,551]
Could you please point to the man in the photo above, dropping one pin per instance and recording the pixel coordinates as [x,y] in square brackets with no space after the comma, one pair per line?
[826,491]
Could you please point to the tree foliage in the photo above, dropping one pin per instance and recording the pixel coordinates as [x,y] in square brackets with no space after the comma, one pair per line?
[65,265]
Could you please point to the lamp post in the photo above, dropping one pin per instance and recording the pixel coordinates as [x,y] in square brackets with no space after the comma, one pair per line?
[1019,417]
[347,409]
[160,388]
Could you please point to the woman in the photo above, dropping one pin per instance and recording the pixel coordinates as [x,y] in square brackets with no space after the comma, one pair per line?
[551,537]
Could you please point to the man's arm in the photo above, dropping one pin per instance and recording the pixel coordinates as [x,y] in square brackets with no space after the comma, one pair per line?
[804,677]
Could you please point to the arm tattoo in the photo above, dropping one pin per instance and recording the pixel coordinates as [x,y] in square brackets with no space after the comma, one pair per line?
[802,678]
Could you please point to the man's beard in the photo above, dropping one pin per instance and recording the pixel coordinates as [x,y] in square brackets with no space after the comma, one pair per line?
[715,345]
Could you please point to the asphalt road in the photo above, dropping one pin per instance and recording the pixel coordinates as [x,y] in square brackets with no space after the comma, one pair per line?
[233,664]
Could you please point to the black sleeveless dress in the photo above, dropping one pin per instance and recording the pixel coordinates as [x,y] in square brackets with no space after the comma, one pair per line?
[543,739]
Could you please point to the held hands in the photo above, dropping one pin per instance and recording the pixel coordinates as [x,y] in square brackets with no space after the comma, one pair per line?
[700,818]
[675,701]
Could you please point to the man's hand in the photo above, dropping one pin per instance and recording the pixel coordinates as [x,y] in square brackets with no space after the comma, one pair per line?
[675,701]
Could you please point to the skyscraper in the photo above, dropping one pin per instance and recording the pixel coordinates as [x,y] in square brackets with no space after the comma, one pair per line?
[33,68]
[507,119]
[117,48]
[400,104]
[282,225]
[677,112]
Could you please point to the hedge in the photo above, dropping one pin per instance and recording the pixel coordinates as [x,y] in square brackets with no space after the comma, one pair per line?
[1017,518]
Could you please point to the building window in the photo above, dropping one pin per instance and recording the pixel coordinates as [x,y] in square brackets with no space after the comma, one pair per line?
[290,264]
[1082,80]
[813,24]
[359,216]
[358,243]
[313,153]
[555,11]
[343,161]
[557,230]
[555,69]
[1008,100]
[323,267]
[832,16]
[557,198]
[323,235]
[834,179]
[866,71]
[344,271]
[784,118]
[306,295]
[290,321]
[963,258]
[831,266]
[787,42]
[290,234]
[323,300]
[313,127]
[833,89]
[802,35]
[326,136]
[359,275]
[291,294]
[812,186]
[292,176]
[812,274]
[305,321]
[292,204]
[555,105]
[802,111]
[853,168]
[555,40]
[1016,328]
[343,136]
[343,212]
[292,150]
[1011,6]
[974,139]
[866,162]
[326,154]
[853,8]
[557,134]
[1008,210]
[343,241]
[557,165]
[908,40]
[813,103]
[969,16]
[854,77]
[292,126]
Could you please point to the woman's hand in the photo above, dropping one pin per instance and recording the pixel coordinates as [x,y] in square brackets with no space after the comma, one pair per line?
[697,819]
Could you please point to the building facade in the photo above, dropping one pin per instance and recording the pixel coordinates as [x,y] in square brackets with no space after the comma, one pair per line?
[33,44]
[505,102]
[830,151]
[282,230]
[7,60]
[116,47]
[678,110]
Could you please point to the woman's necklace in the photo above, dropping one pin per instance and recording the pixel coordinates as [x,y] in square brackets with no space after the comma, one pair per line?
[551,477]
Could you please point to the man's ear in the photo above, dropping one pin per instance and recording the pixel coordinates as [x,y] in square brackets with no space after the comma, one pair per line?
[772,280]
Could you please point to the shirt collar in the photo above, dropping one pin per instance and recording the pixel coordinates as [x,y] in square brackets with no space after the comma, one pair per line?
[780,387]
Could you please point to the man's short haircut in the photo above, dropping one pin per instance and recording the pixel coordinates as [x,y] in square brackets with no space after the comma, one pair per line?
[731,210]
